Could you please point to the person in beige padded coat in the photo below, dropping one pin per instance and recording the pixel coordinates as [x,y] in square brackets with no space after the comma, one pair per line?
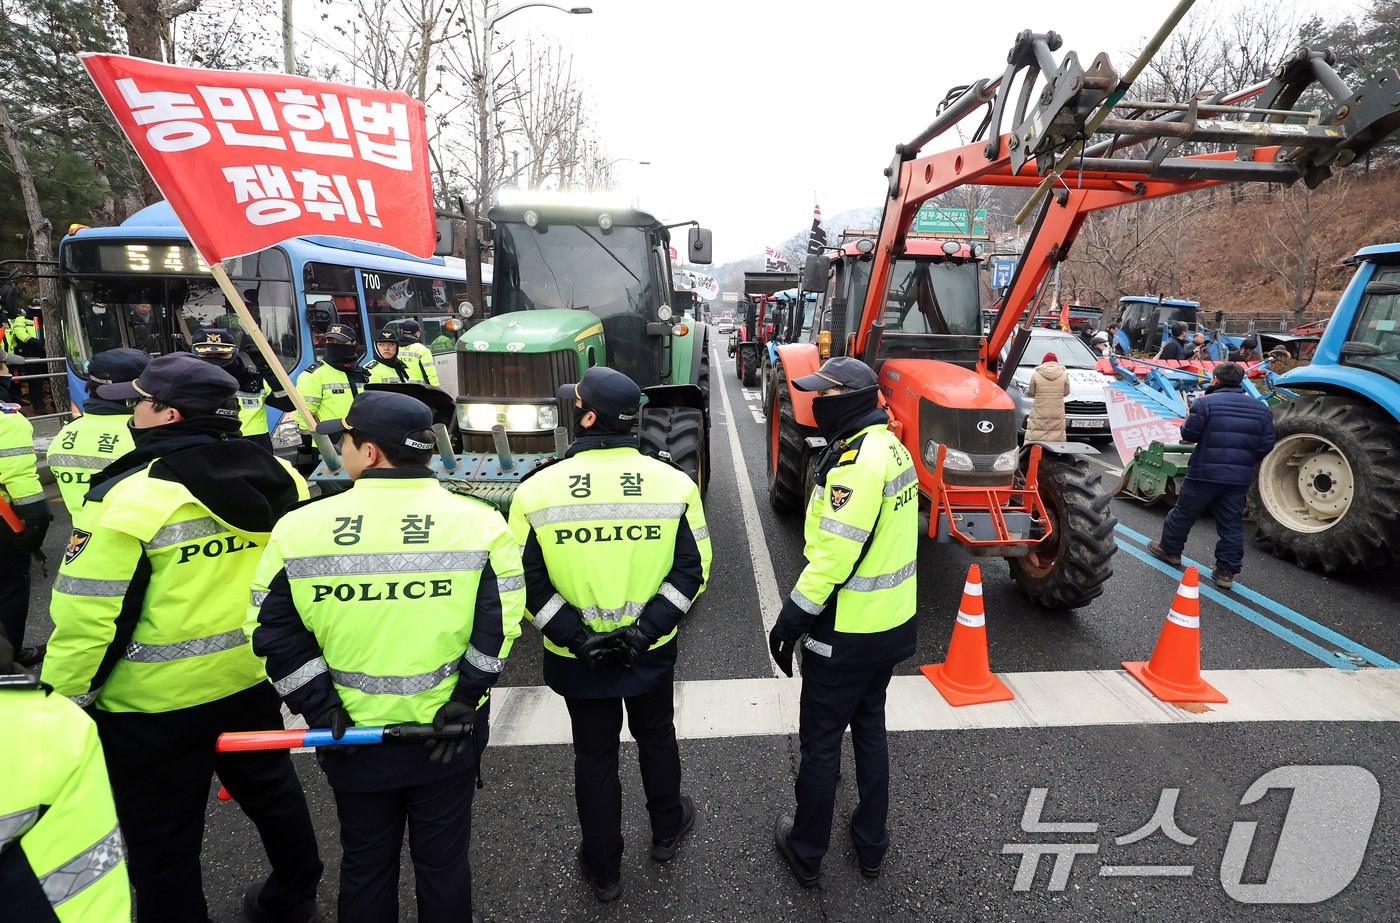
[1049,386]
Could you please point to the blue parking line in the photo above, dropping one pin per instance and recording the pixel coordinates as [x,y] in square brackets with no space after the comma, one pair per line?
[1279,609]
[1269,625]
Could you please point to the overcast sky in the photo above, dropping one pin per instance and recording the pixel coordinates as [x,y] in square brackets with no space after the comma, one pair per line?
[747,108]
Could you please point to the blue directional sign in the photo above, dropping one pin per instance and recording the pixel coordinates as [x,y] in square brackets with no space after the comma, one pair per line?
[1002,270]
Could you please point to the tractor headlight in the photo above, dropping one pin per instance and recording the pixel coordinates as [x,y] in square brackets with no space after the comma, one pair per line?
[1007,461]
[953,460]
[286,435]
[516,418]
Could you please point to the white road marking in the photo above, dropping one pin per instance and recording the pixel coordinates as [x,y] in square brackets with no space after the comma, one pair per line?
[750,395]
[766,583]
[757,417]
[714,709]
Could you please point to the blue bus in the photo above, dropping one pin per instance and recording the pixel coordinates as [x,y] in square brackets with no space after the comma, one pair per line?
[142,284]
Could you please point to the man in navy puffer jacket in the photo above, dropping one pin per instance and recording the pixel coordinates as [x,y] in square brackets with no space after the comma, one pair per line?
[1232,432]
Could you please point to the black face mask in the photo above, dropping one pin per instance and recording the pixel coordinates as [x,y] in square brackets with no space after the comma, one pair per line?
[342,355]
[839,415]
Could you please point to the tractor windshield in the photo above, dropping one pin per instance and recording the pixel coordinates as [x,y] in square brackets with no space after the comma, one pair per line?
[933,307]
[1377,325]
[567,265]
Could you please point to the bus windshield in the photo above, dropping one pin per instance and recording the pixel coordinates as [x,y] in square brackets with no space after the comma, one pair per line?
[159,302]
[572,266]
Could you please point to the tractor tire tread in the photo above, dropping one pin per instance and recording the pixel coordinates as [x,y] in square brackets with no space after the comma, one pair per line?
[1081,569]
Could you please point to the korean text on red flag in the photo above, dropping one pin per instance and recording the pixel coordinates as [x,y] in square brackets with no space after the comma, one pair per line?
[247,160]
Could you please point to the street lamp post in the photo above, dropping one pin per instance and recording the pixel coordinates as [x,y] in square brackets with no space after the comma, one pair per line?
[490,36]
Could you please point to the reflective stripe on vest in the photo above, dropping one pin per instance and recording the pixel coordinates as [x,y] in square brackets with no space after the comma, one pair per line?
[484,663]
[257,597]
[136,652]
[881,581]
[395,562]
[83,586]
[591,512]
[300,676]
[675,597]
[177,533]
[806,605]
[13,826]
[900,481]
[86,462]
[31,498]
[506,584]
[17,450]
[623,611]
[84,869]
[86,699]
[548,611]
[821,648]
[395,685]
[837,527]
[701,533]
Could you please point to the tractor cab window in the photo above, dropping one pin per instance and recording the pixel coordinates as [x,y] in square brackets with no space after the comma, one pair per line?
[1378,326]
[933,307]
[569,265]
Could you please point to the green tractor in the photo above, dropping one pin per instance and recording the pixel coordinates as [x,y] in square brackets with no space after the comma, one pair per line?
[575,285]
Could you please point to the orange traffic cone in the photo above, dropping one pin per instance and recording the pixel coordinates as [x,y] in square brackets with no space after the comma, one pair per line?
[965,678]
[1174,672]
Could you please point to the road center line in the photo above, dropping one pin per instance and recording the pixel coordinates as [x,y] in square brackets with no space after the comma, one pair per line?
[764,581]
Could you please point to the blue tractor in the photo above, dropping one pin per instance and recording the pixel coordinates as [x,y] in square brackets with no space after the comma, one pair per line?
[1328,495]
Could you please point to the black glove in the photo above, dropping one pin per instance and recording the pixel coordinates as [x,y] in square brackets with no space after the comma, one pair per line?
[456,714]
[358,374]
[33,535]
[781,644]
[632,641]
[249,379]
[337,719]
[599,650]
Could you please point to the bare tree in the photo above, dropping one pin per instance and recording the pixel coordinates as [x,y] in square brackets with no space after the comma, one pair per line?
[1292,252]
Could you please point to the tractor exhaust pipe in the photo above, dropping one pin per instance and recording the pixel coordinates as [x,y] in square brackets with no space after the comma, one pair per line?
[498,436]
[444,448]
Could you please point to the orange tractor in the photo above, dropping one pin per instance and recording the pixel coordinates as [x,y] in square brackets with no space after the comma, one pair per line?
[911,307]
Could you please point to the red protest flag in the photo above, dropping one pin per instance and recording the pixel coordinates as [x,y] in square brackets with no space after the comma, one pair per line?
[247,160]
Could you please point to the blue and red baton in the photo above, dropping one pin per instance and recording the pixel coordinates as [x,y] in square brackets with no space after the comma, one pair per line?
[235,741]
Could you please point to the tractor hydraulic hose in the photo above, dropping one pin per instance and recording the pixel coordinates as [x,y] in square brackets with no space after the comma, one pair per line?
[979,94]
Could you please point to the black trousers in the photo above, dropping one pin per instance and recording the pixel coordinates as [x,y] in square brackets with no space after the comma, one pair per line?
[597,724]
[439,818]
[831,701]
[161,766]
[14,587]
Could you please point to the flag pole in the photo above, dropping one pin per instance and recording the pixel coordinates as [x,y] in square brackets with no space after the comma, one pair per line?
[250,324]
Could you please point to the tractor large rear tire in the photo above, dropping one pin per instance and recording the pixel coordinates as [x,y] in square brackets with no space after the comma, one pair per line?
[1328,495]
[680,433]
[789,456]
[1070,568]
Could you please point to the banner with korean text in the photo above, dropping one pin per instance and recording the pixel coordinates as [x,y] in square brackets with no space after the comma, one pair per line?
[250,159]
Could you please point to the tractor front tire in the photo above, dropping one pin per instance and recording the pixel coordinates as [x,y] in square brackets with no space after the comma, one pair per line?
[1068,570]
[789,456]
[1328,495]
[751,370]
[679,433]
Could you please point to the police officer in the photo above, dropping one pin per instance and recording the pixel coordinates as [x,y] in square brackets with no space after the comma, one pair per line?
[148,613]
[329,386]
[852,610]
[21,491]
[615,551]
[418,357]
[22,338]
[89,443]
[218,348]
[393,602]
[61,852]
[387,367]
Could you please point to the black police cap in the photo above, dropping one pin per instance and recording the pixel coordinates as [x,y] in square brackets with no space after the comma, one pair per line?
[387,418]
[607,391]
[386,336]
[177,380]
[114,365]
[214,344]
[342,333]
